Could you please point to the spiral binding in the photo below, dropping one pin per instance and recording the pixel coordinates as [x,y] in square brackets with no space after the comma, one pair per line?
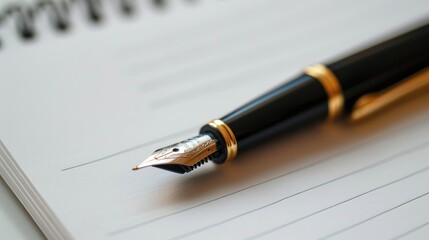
[58,12]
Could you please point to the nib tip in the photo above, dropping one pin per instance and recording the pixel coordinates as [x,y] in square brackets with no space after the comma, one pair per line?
[135,168]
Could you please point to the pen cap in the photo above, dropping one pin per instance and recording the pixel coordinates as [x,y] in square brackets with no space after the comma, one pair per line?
[382,65]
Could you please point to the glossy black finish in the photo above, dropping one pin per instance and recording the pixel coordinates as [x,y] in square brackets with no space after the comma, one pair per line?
[304,100]
[295,103]
[382,65]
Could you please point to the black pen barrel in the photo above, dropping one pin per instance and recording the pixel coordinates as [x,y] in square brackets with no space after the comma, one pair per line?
[293,104]
[303,96]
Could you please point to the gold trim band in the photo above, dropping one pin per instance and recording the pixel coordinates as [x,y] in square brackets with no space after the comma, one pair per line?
[228,136]
[332,87]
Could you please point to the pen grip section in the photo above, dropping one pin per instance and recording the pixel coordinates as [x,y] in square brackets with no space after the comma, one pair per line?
[292,104]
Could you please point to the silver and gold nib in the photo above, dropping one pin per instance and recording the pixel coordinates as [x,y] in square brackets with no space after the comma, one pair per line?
[184,156]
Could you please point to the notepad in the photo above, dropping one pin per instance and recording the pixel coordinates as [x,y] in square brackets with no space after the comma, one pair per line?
[80,108]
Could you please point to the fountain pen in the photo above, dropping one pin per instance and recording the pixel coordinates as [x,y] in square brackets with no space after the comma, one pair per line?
[353,87]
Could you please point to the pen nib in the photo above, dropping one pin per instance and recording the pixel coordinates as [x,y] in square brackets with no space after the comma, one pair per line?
[182,157]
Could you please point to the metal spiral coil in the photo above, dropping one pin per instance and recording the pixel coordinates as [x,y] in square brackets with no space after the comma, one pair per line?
[25,15]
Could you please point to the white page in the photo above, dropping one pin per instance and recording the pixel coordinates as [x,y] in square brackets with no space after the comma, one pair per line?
[78,111]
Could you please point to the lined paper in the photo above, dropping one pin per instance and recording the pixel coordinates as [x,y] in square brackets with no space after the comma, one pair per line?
[79,111]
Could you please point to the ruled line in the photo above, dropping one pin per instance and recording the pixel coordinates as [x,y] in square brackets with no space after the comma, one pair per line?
[339,153]
[375,216]
[410,231]
[187,33]
[384,161]
[131,149]
[122,230]
[125,229]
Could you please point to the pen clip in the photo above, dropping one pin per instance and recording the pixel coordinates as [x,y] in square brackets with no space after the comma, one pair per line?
[371,103]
